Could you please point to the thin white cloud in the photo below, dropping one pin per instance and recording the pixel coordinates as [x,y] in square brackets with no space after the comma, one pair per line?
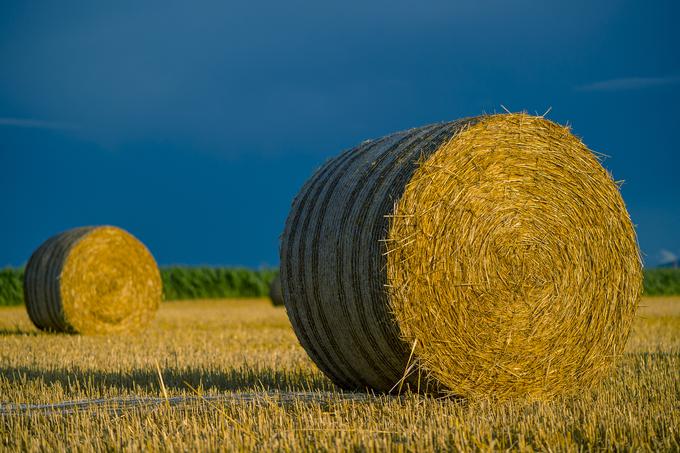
[629,83]
[37,124]
[666,256]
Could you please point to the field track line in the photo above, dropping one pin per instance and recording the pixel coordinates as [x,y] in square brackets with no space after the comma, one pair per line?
[133,402]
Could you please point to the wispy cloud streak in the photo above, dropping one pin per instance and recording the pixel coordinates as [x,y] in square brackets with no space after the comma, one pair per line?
[629,83]
[37,124]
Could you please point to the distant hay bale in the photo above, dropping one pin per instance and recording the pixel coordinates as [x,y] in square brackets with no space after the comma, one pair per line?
[275,291]
[92,280]
[493,251]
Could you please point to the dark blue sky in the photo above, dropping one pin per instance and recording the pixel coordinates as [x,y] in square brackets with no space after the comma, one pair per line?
[194,124]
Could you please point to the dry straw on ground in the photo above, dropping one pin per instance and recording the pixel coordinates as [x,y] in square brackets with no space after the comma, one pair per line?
[494,253]
[92,280]
[275,294]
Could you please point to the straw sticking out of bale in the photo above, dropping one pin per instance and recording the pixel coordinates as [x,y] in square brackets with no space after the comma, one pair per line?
[275,294]
[92,280]
[496,247]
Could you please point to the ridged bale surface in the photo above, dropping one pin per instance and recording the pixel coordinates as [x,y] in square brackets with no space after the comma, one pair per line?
[332,264]
[275,294]
[494,253]
[92,280]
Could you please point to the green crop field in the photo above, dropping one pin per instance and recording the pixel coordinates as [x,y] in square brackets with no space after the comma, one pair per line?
[230,374]
[180,282]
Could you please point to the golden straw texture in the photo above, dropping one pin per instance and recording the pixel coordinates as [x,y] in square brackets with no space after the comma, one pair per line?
[512,263]
[495,253]
[92,280]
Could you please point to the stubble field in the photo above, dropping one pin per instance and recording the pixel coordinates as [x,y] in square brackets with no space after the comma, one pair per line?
[230,375]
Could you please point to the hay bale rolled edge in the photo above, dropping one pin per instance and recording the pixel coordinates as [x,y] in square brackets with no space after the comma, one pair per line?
[332,263]
[42,293]
[92,280]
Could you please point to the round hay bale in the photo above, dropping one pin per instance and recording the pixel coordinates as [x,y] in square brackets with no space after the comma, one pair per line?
[92,280]
[494,253]
[275,291]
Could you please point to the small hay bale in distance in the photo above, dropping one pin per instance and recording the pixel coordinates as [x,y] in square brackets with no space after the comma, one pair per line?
[493,253]
[275,294]
[92,280]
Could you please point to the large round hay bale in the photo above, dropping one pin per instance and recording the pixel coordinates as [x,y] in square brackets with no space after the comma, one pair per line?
[275,294]
[495,253]
[92,280]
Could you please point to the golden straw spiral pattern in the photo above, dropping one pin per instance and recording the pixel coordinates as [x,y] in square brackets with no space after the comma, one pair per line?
[513,264]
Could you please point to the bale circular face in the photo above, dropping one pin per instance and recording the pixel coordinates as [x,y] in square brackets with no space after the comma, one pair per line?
[92,280]
[513,264]
[492,254]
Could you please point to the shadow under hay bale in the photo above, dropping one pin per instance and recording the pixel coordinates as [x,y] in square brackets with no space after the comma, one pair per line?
[92,280]
[275,294]
[493,253]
